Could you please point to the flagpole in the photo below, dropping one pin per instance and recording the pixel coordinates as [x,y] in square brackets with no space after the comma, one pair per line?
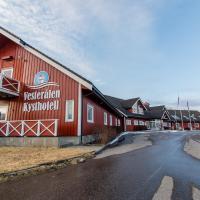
[175,119]
[181,114]
[182,120]
[178,106]
[189,115]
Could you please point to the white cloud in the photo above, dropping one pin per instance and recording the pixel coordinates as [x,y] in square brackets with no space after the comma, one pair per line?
[45,27]
[60,27]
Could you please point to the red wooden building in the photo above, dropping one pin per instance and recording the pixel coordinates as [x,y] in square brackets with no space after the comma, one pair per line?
[134,112]
[43,102]
[185,120]
[140,116]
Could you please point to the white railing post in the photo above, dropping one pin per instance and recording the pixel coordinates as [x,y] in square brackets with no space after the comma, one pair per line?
[22,129]
[56,127]
[7,128]
[38,128]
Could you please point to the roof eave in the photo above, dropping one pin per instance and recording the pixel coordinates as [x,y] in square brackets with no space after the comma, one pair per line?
[46,58]
[102,97]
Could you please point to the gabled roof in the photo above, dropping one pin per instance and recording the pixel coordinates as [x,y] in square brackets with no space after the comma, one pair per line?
[127,104]
[116,102]
[46,58]
[162,107]
[120,105]
[106,101]
[157,114]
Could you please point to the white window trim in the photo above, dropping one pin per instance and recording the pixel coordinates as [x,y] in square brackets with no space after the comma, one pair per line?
[6,115]
[128,122]
[92,120]
[111,120]
[105,118]
[7,69]
[136,122]
[118,122]
[66,111]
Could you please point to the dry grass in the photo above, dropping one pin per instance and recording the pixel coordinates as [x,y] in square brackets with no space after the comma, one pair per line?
[193,148]
[17,158]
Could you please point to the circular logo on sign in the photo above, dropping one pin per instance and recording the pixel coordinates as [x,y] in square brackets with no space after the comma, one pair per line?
[41,77]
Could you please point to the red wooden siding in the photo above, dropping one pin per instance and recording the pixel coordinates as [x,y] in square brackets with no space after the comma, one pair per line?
[138,127]
[93,128]
[25,66]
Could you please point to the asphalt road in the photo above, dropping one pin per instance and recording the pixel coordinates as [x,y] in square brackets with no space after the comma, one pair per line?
[133,175]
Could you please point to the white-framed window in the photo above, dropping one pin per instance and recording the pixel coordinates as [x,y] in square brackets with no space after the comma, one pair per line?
[8,72]
[105,118]
[119,123]
[134,108]
[140,110]
[141,123]
[137,108]
[110,120]
[136,122]
[116,122]
[3,110]
[197,125]
[128,122]
[69,112]
[90,113]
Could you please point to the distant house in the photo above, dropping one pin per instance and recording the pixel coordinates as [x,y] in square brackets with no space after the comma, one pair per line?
[183,119]
[134,112]
[159,118]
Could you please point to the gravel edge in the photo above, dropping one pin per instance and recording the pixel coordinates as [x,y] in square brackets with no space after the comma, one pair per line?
[45,167]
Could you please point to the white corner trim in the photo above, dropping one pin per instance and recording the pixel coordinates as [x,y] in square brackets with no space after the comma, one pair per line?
[47,60]
[164,114]
[79,110]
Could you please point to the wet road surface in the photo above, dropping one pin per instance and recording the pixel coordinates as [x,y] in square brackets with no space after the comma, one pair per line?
[133,175]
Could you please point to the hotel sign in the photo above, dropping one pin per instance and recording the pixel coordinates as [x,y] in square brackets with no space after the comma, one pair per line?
[39,97]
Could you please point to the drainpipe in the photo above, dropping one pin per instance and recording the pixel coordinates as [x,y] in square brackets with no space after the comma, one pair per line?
[81,118]
[124,124]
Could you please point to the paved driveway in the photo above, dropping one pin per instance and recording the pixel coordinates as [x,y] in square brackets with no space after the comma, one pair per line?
[133,175]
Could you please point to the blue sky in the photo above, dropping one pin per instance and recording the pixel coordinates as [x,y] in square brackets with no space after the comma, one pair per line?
[127,48]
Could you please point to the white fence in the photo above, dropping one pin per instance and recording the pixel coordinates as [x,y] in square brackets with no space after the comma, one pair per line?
[47,127]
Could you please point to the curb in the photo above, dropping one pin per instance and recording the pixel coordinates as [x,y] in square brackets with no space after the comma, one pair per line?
[120,137]
[115,141]
[45,167]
